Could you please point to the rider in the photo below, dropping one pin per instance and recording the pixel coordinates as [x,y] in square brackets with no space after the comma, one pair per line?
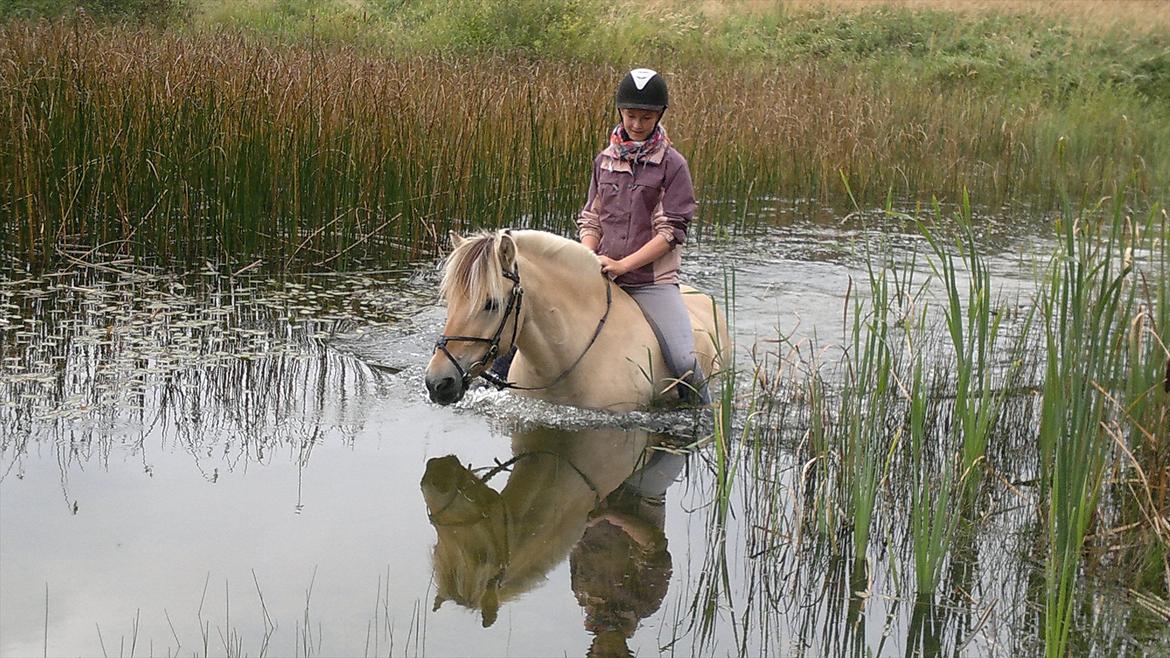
[620,568]
[636,215]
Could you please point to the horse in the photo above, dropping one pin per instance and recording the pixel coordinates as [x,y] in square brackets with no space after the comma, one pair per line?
[494,546]
[580,339]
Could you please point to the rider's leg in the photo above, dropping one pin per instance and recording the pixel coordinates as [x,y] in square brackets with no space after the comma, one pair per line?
[662,304]
[503,363]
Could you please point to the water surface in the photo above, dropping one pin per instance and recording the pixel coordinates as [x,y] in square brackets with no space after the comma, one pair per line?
[242,465]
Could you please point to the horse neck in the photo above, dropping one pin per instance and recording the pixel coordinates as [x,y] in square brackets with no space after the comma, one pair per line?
[544,488]
[548,504]
[562,307]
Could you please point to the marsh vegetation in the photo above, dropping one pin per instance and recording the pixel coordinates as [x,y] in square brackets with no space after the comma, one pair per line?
[940,235]
[301,150]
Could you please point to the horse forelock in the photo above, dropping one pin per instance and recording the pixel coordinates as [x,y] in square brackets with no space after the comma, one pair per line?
[472,273]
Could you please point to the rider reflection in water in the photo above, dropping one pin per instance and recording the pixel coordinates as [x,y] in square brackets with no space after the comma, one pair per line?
[621,568]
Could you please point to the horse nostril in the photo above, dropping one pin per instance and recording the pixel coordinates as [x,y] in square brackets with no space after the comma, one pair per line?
[443,390]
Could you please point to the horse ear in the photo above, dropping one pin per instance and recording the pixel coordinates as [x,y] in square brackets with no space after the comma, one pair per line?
[489,605]
[455,238]
[507,252]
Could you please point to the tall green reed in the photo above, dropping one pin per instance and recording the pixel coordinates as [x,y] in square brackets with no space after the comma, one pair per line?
[864,437]
[1141,428]
[723,404]
[932,478]
[946,478]
[973,330]
[1088,298]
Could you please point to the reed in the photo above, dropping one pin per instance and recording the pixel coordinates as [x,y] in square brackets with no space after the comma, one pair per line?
[1139,408]
[184,147]
[973,366]
[1088,297]
[724,406]
[917,413]
[863,437]
[932,483]
[976,343]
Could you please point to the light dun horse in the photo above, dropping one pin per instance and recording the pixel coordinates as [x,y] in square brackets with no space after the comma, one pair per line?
[581,340]
[493,546]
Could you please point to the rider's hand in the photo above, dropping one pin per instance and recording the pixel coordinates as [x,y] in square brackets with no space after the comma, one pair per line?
[614,268]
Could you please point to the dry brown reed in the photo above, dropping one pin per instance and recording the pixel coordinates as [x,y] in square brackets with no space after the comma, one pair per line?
[226,147]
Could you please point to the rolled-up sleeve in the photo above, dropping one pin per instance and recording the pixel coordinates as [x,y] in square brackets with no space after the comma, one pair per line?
[588,222]
[677,207]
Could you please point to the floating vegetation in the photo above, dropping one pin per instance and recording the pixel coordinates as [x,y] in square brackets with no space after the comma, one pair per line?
[100,349]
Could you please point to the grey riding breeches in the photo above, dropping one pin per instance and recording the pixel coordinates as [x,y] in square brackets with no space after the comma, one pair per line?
[662,304]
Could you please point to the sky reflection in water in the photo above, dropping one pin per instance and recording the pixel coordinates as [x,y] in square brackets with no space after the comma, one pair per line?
[245,466]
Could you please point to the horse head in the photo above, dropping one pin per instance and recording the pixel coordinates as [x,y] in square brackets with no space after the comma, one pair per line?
[471,522]
[482,289]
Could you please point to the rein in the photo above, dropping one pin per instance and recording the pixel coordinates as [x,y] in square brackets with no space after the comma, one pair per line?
[504,466]
[515,299]
[501,383]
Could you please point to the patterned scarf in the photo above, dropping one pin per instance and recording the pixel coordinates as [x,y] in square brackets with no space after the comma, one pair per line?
[623,148]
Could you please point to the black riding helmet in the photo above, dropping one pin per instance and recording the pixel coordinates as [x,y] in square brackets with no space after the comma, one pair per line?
[642,89]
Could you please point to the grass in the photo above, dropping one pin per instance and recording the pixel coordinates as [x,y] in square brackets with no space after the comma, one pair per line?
[1097,384]
[862,437]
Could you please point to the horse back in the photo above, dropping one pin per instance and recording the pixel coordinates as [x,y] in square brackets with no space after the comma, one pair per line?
[712,339]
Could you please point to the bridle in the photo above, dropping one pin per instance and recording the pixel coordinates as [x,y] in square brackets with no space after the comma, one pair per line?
[515,299]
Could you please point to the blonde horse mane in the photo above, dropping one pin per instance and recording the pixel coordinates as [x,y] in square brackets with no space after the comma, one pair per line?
[472,273]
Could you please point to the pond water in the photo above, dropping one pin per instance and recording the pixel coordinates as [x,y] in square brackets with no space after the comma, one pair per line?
[209,464]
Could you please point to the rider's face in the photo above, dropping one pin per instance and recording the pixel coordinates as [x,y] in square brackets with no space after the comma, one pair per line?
[639,123]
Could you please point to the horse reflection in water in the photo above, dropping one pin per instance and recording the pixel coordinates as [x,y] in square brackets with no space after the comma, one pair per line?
[493,546]
[621,567]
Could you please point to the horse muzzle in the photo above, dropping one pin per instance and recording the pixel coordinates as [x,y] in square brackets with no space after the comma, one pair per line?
[445,388]
[442,475]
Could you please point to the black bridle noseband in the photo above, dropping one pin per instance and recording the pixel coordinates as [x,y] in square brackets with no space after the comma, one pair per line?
[515,299]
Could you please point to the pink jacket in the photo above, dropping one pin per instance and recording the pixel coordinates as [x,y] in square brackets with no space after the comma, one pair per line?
[629,204]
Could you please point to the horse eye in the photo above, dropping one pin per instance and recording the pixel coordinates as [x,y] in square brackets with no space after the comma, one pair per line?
[491,306]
